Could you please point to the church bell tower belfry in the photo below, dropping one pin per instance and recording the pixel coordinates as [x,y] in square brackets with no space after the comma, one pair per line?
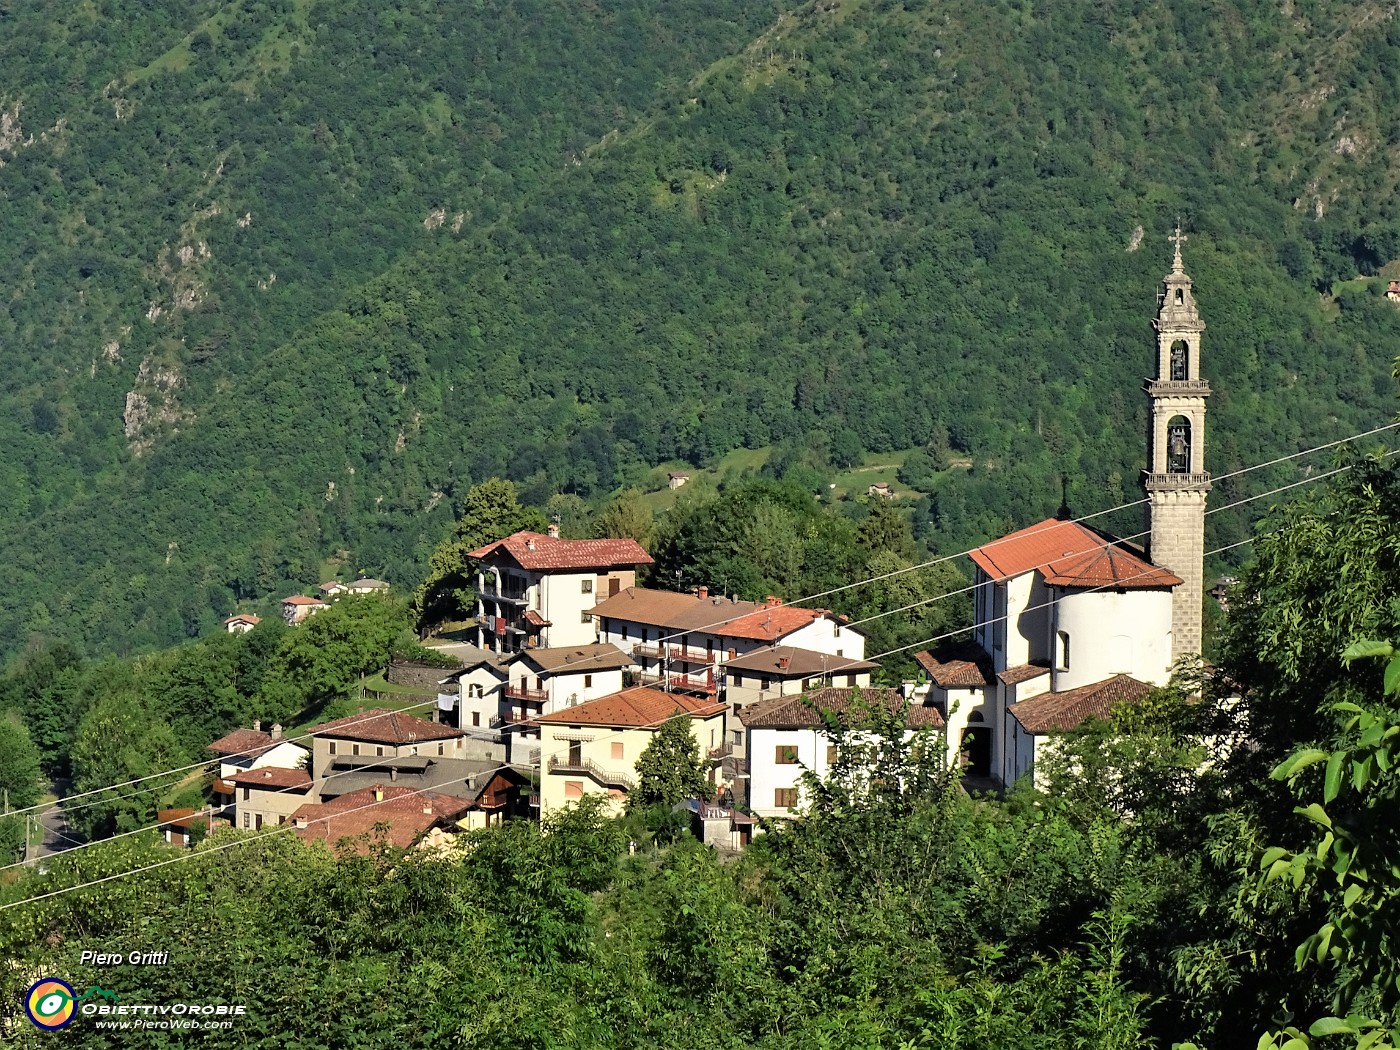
[1176,479]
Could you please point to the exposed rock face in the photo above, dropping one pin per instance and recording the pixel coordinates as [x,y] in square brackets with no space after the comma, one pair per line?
[152,407]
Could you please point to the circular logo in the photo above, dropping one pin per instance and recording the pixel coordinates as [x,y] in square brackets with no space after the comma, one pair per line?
[49,1003]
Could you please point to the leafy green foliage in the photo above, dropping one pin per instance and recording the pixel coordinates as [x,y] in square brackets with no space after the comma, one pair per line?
[669,769]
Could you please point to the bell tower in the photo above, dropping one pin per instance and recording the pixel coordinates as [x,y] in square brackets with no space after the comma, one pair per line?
[1176,479]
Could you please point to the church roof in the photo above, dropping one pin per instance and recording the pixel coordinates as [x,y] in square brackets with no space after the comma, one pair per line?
[1070,554]
[957,665]
[1061,712]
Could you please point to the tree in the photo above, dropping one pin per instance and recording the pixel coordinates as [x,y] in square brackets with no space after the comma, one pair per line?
[626,516]
[669,769]
[491,511]
[19,763]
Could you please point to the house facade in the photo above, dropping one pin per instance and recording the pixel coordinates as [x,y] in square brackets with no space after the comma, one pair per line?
[268,796]
[298,607]
[683,642]
[787,736]
[784,671]
[534,591]
[592,749]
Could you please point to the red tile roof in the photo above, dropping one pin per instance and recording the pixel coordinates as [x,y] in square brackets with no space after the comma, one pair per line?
[1070,554]
[805,712]
[1061,712]
[722,617]
[530,550]
[534,618]
[272,777]
[407,812]
[249,743]
[385,727]
[1023,673]
[786,661]
[636,708]
[301,599]
[244,618]
[959,665]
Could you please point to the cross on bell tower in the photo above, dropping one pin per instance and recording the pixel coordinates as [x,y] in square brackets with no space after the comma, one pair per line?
[1176,480]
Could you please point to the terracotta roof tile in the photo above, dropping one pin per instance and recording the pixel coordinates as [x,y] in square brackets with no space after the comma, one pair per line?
[1061,712]
[721,617]
[804,712]
[637,708]
[1023,673]
[407,812]
[249,743]
[301,599]
[1070,554]
[244,618]
[272,777]
[958,665]
[530,550]
[385,727]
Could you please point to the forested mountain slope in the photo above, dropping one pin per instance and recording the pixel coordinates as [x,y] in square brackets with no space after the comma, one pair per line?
[683,230]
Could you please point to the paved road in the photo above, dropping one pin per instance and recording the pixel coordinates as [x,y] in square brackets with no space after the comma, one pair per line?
[58,836]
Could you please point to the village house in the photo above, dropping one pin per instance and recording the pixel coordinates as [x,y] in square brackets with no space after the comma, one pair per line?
[592,749]
[241,623]
[535,590]
[881,490]
[682,642]
[298,607]
[181,826]
[471,696]
[366,585]
[245,749]
[360,750]
[268,795]
[784,671]
[788,736]
[677,479]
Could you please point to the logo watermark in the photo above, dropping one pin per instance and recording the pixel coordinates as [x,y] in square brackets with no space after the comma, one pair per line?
[50,1004]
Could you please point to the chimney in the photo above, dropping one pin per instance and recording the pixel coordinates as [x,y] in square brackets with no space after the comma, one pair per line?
[784,663]
[378,793]
[553,530]
[299,822]
[529,545]
[257,726]
[702,593]
[393,773]
[428,808]
[774,601]
[276,730]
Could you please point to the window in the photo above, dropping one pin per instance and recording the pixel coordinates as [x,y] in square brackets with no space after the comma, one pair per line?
[476,721]
[442,747]
[763,682]
[379,751]
[247,819]
[474,692]
[1063,654]
[332,747]
[785,798]
[588,681]
[573,789]
[738,738]
[1179,361]
[247,794]
[617,750]
[831,754]
[585,616]
[738,679]
[586,586]
[413,750]
[785,754]
[354,749]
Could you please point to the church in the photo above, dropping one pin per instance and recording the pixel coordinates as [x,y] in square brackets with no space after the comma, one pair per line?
[1071,621]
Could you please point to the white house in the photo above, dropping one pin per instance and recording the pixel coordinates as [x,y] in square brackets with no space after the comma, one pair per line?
[245,749]
[298,607]
[787,736]
[542,681]
[1032,725]
[683,641]
[241,623]
[536,591]
[471,697]
[785,671]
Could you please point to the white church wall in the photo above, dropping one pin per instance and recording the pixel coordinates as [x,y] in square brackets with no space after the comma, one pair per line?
[1109,633]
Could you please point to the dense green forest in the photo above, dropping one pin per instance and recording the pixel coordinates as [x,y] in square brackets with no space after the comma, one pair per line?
[287,277]
[1143,896]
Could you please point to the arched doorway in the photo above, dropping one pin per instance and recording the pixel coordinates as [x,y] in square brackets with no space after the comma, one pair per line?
[977,747]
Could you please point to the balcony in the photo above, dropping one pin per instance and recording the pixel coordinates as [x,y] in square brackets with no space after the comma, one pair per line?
[1181,387]
[520,692]
[719,754]
[489,592]
[1175,482]
[681,654]
[675,682]
[651,652]
[587,767]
